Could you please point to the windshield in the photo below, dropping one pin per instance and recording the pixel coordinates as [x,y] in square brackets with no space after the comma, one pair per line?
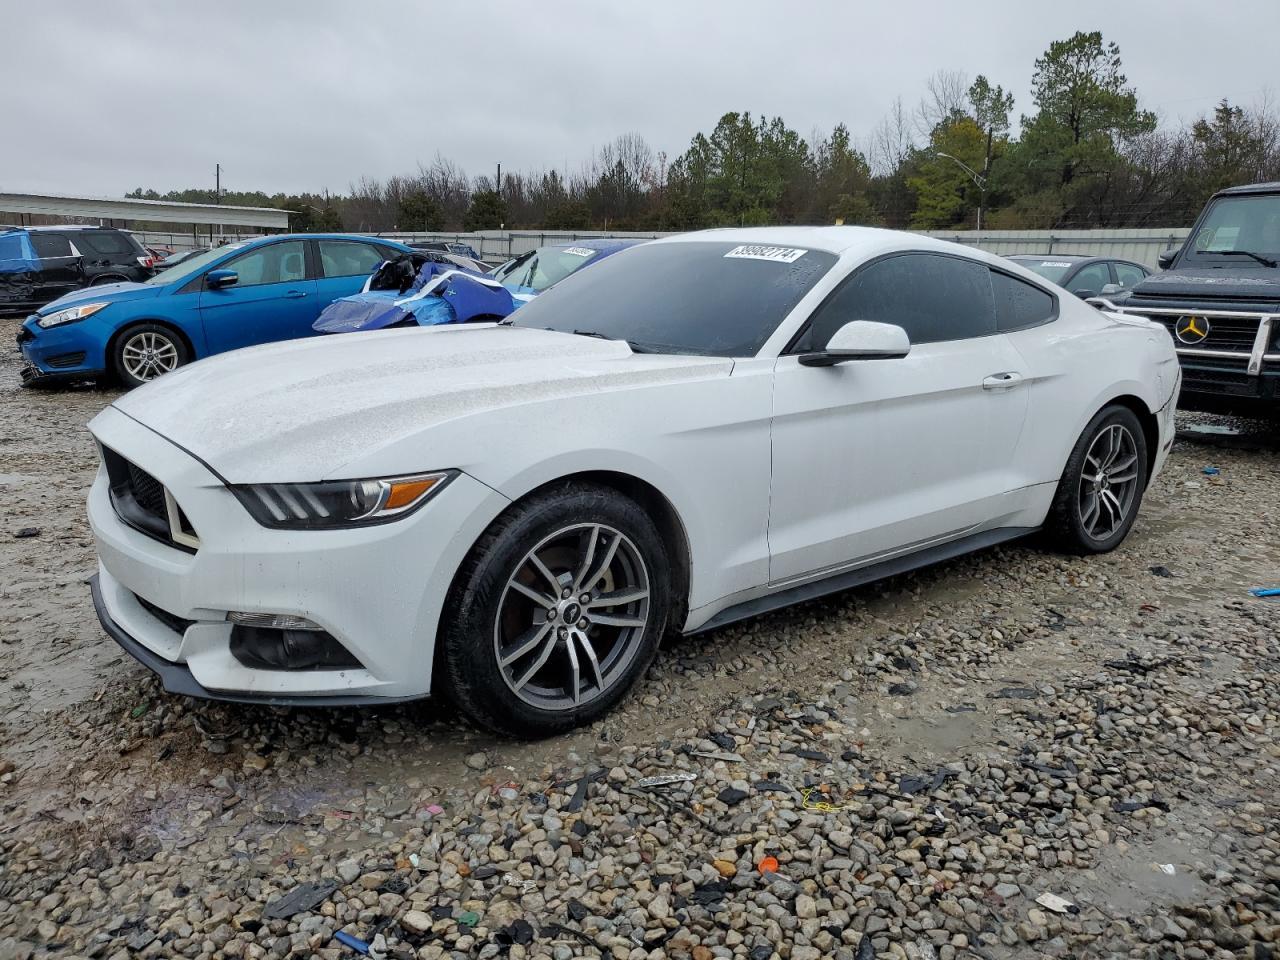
[1243,223]
[1052,270]
[187,268]
[710,298]
[543,267]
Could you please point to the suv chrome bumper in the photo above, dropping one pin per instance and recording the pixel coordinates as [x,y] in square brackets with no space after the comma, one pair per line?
[1253,359]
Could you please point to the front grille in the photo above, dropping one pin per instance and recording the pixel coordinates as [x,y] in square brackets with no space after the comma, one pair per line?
[63,360]
[1225,333]
[147,490]
[140,501]
[174,622]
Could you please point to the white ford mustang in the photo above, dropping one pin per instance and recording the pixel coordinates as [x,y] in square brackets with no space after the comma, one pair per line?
[696,430]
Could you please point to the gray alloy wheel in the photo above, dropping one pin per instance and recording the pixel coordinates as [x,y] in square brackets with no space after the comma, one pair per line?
[571,617]
[148,353]
[1109,481]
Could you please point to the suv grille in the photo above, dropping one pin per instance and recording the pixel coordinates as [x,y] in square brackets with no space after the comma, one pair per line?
[1225,333]
[140,500]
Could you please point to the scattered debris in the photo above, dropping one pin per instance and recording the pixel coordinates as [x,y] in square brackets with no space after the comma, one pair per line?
[1051,901]
[26,532]
[468,918]
[962,708]
[705,894]
[902,689]
[355,943]
[731,796]
[810,755]
[1211,471]
[1129,806]
[767,865]
[1162,571]
[580,793]
[517,932]
[712,755]
[577,911]
[302,898]
[1014,693]
[1265,591]
[1168,868]
[665,780]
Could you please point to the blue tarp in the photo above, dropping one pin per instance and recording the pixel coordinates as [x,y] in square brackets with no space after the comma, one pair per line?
[439,294]
[21,279]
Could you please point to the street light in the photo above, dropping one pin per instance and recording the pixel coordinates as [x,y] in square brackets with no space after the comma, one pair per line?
[976,177]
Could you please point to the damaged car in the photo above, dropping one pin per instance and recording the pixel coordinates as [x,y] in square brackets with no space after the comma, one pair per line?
[420,290]
[706,428]
[36,268]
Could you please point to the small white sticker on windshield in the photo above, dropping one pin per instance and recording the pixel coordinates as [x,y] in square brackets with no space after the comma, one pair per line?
[1054,263]
[579,251]
[753,251]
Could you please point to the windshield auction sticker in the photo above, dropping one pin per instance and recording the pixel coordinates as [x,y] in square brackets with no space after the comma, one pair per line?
[1054,263]
[579,251]
[758,252]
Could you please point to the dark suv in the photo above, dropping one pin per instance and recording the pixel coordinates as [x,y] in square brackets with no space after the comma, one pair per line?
[40,264]
[1219,298]
[110,255]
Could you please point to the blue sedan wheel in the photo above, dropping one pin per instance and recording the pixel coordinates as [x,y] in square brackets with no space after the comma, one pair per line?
[148,351]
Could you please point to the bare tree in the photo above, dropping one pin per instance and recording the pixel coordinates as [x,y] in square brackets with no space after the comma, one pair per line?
[892,140]
[946,95]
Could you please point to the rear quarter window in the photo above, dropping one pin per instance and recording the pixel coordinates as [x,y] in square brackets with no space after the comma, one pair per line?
[47,245]
[1020,304]
[108,242]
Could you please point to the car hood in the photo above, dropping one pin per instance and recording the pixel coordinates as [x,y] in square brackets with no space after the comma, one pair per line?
[1197,282]
[110,292]
[311,409]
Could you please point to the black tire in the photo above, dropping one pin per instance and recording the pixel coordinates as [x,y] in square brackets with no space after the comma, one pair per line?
[1067,524]
[467,663]
[124,361]
[104,279]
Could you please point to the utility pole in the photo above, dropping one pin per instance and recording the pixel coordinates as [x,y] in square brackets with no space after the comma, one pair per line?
[979,181]
[217,183]
[497,184]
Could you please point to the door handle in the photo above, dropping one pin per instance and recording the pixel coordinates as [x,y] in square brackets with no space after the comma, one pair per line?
[1002,381]
[294,294]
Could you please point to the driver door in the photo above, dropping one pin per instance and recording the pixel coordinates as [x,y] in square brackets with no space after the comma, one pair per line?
[873,458]
[272,298]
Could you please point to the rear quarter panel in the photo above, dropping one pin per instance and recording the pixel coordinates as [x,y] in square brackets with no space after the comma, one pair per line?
[1078,364]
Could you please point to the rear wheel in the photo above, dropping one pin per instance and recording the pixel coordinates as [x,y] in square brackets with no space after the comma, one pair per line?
[556,612]
[1102,486]
[147,351]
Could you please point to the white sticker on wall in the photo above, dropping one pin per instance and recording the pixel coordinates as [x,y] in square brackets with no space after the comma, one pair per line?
[755,251]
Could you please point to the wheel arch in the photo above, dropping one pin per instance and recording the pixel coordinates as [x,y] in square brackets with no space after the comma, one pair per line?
[671,526]
[103,279]
[1146,418]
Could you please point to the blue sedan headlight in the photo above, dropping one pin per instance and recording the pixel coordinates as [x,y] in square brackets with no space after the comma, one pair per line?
[70,315]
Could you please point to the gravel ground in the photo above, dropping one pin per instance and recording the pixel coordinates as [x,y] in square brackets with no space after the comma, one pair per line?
[899,771]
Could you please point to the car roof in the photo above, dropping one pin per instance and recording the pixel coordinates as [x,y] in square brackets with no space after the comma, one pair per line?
[1269,187]
[1073,257]
[601,243]
[837,240]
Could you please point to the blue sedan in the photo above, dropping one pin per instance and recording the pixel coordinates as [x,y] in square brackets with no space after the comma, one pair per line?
[238,295]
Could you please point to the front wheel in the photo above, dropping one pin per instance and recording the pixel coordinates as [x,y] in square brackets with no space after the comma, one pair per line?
[1102,486]
[556,612]
[147,351]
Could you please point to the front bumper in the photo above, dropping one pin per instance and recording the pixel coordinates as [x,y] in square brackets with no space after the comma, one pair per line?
[379,591]
[69,352]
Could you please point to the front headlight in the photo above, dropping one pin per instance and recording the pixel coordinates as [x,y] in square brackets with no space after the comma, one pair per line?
[338,503]
[70,315]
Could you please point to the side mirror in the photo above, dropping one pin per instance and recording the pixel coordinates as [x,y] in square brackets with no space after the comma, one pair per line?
[217,279]
[861,340]
[1166,258]
[1111,288]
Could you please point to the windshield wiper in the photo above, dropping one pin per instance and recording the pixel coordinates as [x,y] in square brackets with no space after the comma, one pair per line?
[1265,261]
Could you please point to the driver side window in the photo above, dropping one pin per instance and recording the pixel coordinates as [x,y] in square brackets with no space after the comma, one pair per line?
[931,296]
[275,263]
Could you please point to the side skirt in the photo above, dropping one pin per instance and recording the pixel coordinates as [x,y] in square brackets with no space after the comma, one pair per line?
[862,575]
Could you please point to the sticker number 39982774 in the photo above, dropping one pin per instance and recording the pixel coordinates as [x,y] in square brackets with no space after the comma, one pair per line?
[755,251]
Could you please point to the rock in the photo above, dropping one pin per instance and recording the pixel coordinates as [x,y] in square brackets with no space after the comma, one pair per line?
[726,868]
[806,908]
[478,761]
[417,922]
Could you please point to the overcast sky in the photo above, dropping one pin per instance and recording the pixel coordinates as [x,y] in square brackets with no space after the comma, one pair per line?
[293,95]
